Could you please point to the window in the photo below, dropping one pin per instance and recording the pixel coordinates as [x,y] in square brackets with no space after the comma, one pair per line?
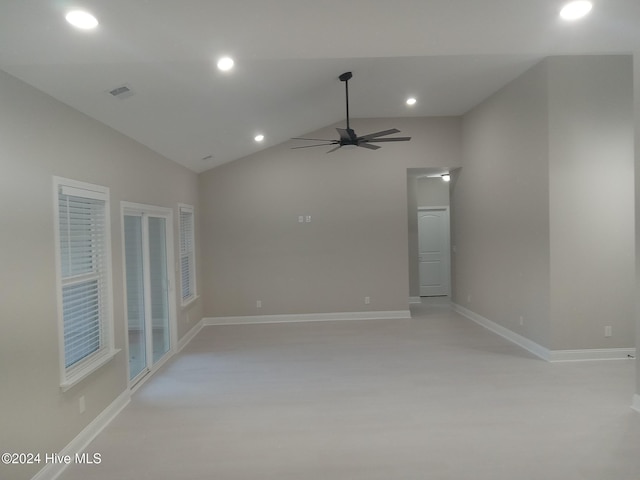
[187,254]
[84,291]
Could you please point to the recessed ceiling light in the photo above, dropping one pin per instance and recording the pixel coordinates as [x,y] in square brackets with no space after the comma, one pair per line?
[411,101]
[259,138]
[575,10]
[225,64]
[80,19]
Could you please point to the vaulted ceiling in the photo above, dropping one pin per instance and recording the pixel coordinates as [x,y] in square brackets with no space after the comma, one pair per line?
[449,54]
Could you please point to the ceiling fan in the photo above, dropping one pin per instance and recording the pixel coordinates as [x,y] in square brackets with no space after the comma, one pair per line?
[348,137]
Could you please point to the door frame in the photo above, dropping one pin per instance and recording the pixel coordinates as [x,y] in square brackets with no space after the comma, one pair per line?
[447,214]
[131,208]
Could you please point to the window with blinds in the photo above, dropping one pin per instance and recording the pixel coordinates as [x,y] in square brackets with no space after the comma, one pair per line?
[187,254]
[83,238]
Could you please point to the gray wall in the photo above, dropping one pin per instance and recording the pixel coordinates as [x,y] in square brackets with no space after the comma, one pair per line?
[591,180]
[636,79]
[543,229]
[500,209]
[356,244]
[39,138]
[422,192]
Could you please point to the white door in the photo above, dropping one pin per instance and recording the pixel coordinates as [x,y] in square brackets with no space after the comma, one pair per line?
[433,252]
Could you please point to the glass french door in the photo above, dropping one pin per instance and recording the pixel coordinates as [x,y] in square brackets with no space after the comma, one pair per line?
[147,290]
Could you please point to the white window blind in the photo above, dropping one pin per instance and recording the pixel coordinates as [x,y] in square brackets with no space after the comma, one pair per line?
[187,254]
[83,237]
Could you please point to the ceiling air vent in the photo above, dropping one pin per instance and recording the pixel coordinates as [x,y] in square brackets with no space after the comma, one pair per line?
[123,91]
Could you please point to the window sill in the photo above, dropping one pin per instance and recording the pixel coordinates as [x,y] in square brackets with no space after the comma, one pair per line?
[190,302]
[88,369]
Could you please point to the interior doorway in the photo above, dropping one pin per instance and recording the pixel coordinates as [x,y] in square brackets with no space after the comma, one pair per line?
[428,191]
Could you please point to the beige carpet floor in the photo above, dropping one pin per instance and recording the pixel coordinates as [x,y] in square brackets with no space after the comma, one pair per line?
[435,397]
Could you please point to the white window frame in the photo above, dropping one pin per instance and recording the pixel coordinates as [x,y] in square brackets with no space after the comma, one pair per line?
[187,253]
[76,372]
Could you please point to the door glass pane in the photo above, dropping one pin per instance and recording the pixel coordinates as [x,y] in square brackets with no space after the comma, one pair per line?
[158,287]
[135,294]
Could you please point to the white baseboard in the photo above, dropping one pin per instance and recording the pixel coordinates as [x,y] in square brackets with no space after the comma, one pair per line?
[53,470]
[636,403]
[531,346]
[189,336]
[307,317]
[592,354]
[588,354]
[414,300]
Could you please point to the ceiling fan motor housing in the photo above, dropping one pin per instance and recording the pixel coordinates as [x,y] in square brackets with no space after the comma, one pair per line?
[350,139]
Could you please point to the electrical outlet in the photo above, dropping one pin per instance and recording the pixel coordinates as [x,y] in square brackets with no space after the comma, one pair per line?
[608,331]
[259,304]
[308,219]
[521,320]
[81,404]
[468,298]
[367,300]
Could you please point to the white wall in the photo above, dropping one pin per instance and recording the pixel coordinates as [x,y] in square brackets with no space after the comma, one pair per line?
[357,243]
[39,138]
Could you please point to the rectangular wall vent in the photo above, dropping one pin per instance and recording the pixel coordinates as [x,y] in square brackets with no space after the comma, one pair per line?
[123,91]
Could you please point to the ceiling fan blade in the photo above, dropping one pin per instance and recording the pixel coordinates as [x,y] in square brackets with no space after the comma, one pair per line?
[369,146]
[334,149]
[314,139]
[316,145]
[379,134]
[396,139]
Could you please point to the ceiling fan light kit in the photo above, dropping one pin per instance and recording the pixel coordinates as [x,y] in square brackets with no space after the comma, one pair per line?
[348,137]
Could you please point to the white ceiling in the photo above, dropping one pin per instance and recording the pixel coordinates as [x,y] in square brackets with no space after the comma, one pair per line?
[450,54]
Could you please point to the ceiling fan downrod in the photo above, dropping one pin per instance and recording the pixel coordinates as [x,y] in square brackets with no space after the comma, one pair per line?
[345,77]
